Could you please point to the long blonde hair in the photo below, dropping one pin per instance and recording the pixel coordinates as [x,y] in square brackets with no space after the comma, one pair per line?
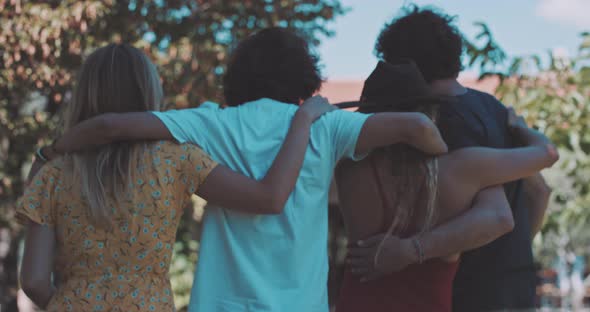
[116,78]
[416,182]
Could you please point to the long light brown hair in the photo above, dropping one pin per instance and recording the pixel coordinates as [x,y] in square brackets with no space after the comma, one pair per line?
[116,78]
[415,176]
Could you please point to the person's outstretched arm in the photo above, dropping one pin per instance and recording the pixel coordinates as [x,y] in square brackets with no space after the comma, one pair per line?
[484,167]
[489,218]
[101,130]
[475,168]
[478,168]
[378,130]
[414,129]
[267,196]
[109,128]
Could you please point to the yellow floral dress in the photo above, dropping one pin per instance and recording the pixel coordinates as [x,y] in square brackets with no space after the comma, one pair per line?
[125,269]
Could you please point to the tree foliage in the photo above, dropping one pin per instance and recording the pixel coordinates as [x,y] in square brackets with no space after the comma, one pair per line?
[552,92]
[43,43]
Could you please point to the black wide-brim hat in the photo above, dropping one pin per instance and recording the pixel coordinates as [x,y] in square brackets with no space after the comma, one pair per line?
[397,86]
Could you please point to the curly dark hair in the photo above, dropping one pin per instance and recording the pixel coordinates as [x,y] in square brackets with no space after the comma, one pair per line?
[274,63]
[426,36]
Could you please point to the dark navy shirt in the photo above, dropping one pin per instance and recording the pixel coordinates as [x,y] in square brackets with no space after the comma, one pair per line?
[501,274]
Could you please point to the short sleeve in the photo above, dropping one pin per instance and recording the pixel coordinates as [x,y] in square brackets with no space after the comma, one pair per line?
[188,125]
[38,202]
[345,128]
[195,165]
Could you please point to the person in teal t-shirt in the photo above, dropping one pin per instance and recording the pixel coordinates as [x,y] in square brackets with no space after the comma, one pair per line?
[276,262]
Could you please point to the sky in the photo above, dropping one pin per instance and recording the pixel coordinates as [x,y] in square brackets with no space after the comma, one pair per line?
[521,27]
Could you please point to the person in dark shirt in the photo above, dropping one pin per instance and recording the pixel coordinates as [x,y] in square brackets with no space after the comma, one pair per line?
[501,274]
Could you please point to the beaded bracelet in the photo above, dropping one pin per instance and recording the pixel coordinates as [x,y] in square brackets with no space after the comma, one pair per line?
[40,155]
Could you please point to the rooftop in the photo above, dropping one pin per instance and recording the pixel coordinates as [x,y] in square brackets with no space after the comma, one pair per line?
[350,90]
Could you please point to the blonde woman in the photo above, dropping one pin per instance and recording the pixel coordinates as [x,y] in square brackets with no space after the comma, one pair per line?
[101,224]
[406,193]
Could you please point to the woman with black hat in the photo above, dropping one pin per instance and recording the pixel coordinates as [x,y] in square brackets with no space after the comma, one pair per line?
[404,192]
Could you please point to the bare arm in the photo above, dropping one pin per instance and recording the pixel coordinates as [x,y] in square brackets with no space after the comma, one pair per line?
[415,129]
[537,194]
[105,129]
[229,189]
[223,186]
[108,128]
[489,218]
[37,264]
[478,167]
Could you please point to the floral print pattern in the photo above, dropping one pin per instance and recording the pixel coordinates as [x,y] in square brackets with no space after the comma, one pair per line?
[125,269]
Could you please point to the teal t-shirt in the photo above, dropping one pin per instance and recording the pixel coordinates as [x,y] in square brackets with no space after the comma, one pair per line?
[265,262]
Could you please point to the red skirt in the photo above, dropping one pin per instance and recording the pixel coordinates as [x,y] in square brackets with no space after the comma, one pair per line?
[418,288]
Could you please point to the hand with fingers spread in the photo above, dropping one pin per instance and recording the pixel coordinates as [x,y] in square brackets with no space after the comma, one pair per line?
[316,106]
[368,263]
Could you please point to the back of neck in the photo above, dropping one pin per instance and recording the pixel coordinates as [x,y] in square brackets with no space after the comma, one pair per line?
[449,87]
